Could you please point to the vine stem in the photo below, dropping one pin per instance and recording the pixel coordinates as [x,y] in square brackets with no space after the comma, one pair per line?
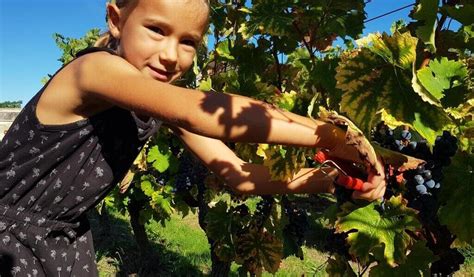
[278,66]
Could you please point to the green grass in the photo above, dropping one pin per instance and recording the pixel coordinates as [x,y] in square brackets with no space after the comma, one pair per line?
[181,249]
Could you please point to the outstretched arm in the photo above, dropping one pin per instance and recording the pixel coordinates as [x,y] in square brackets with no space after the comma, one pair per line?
[218,115]
[248,178]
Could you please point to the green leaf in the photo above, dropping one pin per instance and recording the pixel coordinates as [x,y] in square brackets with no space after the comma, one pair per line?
[462,13]
[205,84]
[287,100]
[223,49]
[383,81]
[147,185]
[262,248]
[457,193]
[162,206]
[417,264]
[441,75]
[425,13]
[160,161]
[219,228]
[269,17]
[371,229]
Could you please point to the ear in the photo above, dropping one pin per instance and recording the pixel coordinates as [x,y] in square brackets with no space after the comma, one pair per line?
[113,20]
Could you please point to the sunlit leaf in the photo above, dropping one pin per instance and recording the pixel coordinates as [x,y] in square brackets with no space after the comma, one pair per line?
[417,264]
[425,13]
[374,82]
[159,161]
[372,228]
[441,75]
[284,162]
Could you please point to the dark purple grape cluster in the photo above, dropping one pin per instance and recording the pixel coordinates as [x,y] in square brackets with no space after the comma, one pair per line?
[263,210]
[337,243]
[423,185]
[190,173]
[298,223]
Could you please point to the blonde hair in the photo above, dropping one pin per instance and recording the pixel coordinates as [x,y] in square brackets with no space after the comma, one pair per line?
[107,39]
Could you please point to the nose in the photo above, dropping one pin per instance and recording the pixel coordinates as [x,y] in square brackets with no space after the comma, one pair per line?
[169,53]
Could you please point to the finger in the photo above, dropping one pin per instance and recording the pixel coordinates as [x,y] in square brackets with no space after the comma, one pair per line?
[374,194]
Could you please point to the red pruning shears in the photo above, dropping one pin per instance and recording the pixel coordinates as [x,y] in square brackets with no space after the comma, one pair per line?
[343,179]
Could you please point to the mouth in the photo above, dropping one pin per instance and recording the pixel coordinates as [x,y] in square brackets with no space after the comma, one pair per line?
[161,75]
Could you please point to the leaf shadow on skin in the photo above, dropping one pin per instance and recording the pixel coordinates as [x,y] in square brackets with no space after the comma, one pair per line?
[216,103]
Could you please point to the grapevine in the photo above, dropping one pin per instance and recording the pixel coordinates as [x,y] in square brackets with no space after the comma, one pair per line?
[410,92]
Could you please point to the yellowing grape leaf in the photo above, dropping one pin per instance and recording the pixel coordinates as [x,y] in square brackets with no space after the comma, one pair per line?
[284,162]
[383,81]
[370,229]
[426,12]
[457,192]
[354,135]
[248,152]
[396,159]
[139,164]
[286,100]
[417,264]
[262,248]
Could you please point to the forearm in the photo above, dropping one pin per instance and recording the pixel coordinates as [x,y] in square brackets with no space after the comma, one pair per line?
[248,178]
[238,118]
[255,179]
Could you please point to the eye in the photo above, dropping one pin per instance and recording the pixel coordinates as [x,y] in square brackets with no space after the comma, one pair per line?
[189,42]
[155,29]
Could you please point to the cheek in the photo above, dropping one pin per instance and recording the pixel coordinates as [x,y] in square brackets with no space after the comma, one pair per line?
[186,61]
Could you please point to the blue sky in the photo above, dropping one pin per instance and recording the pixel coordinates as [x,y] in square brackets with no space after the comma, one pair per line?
[28,52]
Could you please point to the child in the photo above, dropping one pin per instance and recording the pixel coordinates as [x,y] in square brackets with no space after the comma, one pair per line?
[78,136]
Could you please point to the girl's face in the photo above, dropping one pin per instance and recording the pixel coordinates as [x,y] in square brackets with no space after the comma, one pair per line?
[160,37]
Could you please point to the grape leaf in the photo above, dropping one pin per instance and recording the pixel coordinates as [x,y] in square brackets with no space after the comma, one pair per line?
[205,84]
[371,229]
[284,162]
[162,206]
[339,267]
[398,160]
[417,264]
[354,136]
[286,100]
[441,75]
[425,13]
[219,228]
[269,17]
[462,13]
[160,161]
[374,82]
[457,188]
[262,248]
[224,49]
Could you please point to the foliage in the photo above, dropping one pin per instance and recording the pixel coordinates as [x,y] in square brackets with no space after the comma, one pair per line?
[281,52]
[11,104]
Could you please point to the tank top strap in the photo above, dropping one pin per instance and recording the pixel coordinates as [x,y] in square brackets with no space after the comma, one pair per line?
[94,49]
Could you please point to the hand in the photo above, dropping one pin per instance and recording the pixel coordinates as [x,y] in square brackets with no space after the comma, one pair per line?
[375,186]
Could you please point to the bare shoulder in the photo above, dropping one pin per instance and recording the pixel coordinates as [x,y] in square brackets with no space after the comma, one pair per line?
[63,101]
